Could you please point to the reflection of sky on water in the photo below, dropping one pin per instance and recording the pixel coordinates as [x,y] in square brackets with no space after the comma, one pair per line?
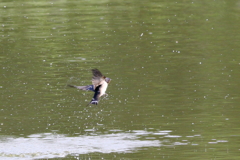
[50,145]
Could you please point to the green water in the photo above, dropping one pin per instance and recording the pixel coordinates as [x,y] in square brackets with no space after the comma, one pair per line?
[174,67]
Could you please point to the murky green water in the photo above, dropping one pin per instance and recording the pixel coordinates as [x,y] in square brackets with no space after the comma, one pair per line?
[175,79]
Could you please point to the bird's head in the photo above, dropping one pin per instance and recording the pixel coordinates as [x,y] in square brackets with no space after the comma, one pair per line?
[107,79]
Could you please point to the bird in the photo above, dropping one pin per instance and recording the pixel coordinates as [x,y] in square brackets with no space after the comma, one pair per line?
[99,86]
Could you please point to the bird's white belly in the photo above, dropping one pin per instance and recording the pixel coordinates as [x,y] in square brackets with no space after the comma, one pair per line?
[103,88]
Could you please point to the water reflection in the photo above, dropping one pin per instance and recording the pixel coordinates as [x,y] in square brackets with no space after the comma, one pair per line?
[52,145]
[49,145]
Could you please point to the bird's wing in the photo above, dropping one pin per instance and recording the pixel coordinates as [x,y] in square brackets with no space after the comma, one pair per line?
[97,78]
[86,88]
[96,96]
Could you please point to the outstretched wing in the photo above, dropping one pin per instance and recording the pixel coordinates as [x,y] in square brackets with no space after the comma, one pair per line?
[97,78]
[86,88]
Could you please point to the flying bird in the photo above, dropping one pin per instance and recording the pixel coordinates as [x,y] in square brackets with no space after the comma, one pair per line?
[99,86]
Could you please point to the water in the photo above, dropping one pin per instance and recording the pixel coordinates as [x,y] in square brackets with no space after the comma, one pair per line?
[174,91]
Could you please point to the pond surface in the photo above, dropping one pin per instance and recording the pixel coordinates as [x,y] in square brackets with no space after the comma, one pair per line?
[175,76]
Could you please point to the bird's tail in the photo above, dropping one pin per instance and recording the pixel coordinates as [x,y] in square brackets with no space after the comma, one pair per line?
[96,95]
[93,101]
